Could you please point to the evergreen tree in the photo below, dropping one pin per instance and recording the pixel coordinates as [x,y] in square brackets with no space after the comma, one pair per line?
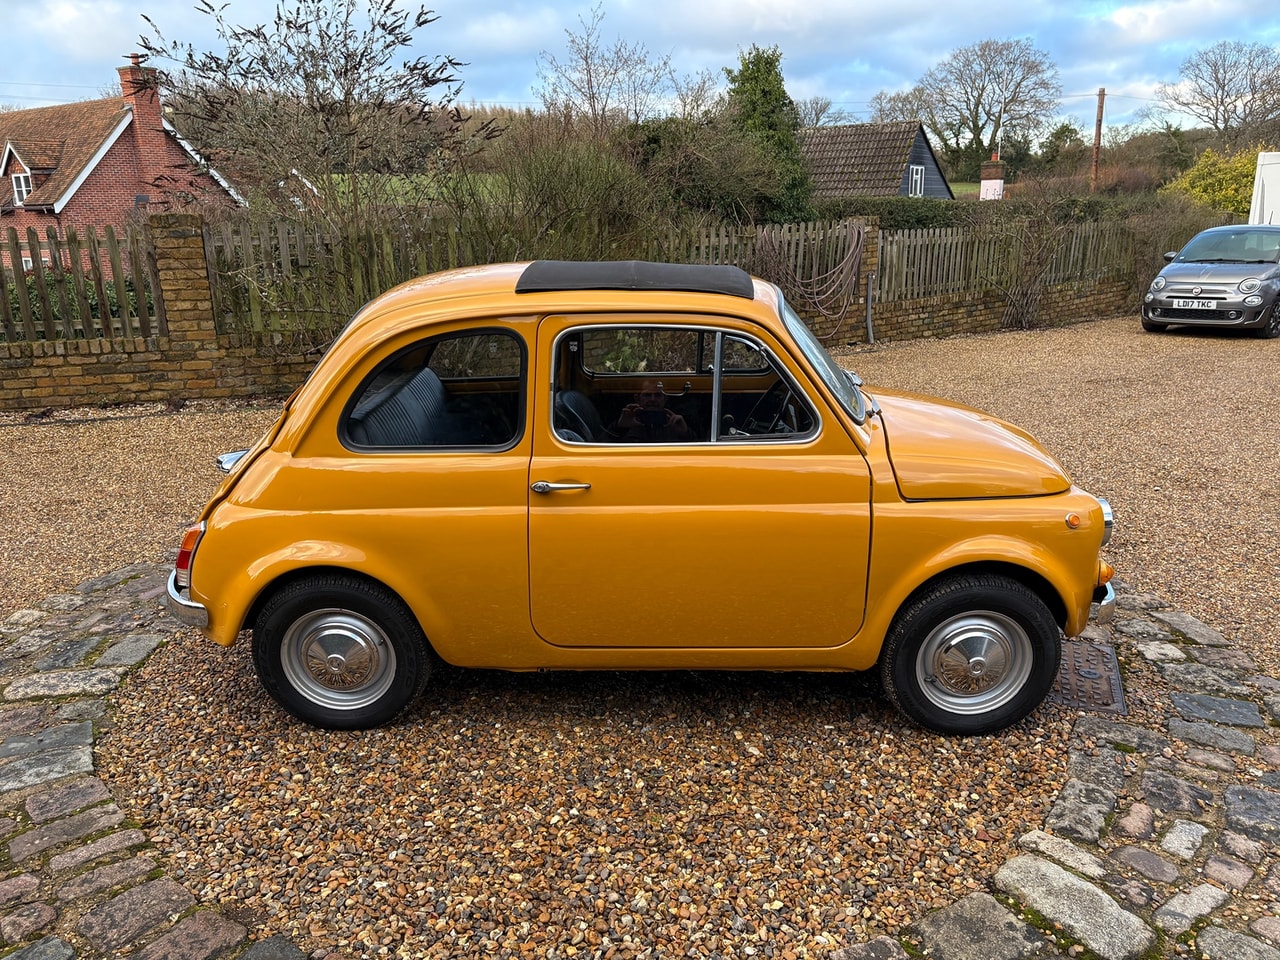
[760,107]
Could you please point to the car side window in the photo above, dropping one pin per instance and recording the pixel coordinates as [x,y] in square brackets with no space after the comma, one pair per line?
[763,406]
[666,385]
[454,390]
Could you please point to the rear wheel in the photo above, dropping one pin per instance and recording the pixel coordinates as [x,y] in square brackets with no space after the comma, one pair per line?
[971,654]
[340,652]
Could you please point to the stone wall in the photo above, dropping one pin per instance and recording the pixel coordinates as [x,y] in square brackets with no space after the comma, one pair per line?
[953,314]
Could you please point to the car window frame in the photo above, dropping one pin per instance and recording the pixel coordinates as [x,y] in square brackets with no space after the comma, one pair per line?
[716,439]
[845,385]
[487,328]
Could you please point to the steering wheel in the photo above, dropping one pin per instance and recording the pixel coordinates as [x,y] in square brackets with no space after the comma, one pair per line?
[772,406]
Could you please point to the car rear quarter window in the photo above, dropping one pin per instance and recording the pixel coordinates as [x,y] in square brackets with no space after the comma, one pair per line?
[459,390]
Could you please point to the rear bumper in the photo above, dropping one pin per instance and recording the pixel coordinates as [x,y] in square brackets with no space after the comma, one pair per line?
[1103,608]
[186,611]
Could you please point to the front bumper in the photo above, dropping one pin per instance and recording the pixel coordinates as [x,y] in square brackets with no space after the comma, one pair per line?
[1229,313]
[186,611]
[1103,608]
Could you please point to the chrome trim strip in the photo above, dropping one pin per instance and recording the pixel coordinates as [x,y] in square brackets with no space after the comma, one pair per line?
[186,611]
[1108,520]
[227,461]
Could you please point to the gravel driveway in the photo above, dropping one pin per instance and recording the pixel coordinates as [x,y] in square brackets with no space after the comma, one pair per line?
[650,815]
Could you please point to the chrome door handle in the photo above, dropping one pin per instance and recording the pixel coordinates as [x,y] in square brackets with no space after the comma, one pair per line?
[542,486]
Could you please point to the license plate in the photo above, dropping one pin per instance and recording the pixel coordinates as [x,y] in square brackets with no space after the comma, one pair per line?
[1195,304]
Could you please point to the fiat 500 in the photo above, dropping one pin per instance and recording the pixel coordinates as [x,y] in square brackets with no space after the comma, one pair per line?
[1224,277]
[614,466]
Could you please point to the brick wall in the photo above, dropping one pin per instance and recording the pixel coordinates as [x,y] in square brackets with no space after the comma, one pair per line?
[192,362]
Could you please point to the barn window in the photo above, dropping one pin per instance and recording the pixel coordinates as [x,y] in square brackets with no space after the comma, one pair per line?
[917,181]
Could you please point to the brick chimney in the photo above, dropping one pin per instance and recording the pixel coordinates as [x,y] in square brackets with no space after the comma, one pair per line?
[992,174]
[140,91]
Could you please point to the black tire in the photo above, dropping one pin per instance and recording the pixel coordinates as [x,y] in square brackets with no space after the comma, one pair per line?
[1271,329]
[1152,327]
[340,652]
[971,654]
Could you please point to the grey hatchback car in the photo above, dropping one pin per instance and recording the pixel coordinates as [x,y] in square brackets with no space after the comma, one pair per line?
[1225,277]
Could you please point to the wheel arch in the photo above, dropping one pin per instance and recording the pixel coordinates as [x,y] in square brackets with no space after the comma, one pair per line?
[286,578]
[1036,582]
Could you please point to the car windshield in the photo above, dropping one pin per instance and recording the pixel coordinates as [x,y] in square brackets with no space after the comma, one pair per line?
[1241,245]
[843,383]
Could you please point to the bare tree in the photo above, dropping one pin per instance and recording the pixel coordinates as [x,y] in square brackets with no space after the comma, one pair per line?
[316,107]
[602,85]
[905,105]
[987,91]
[818,112]
[696,95]
[1232,86]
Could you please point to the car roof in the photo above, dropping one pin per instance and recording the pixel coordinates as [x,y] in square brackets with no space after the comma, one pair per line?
[1243,228]
[551,275]
[555,286]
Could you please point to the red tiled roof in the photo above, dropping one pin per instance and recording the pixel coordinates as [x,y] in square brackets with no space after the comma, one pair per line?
[62,139]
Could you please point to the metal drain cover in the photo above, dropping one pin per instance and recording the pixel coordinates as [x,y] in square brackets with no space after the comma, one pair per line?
[1089,678]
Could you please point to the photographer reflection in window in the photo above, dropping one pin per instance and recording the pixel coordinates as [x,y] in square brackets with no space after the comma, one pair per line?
[648,419]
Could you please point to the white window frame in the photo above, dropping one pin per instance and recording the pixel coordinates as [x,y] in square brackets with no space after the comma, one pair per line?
[916,187]
[21,187]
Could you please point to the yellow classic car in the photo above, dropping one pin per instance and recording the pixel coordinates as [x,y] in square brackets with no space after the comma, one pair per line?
[627,465]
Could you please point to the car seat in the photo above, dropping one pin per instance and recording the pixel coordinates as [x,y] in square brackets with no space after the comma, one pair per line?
[575,411]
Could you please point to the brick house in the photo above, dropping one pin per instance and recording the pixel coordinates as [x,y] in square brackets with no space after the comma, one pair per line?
[95,162]
[873,160]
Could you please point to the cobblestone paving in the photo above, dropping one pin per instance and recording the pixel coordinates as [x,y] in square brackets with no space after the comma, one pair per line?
[1162,843]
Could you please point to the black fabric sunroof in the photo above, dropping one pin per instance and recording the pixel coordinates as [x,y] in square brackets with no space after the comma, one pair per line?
[543,276]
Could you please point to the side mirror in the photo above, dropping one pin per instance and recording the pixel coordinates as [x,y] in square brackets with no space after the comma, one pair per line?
[1168,257]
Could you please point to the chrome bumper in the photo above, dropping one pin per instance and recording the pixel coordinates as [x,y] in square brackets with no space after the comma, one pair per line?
[1103,607]
[187,611]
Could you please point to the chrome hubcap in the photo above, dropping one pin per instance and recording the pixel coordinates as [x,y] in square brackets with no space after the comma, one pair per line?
[974,663]
[338,659]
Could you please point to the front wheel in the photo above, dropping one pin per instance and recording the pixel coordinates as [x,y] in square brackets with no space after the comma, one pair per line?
[1271,329]
[971,654]
[1152,327]
[339,652]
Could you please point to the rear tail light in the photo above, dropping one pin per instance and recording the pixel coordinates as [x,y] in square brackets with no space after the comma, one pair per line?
[186,553]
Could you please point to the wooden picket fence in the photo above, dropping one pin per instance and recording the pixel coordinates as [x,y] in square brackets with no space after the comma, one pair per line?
[802,250]
[953,260]
[83,284]
[290,280]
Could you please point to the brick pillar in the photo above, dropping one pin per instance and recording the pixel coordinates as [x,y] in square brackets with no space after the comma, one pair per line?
[870,265]
[184,279]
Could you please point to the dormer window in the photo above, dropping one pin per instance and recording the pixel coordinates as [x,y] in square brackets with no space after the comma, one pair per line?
[21,187]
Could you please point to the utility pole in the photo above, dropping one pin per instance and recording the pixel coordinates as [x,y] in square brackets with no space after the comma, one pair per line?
[1097,142]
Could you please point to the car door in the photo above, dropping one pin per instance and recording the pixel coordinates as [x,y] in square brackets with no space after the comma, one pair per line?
[712,537]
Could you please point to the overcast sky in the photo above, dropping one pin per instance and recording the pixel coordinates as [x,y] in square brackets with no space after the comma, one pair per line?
[59,51]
